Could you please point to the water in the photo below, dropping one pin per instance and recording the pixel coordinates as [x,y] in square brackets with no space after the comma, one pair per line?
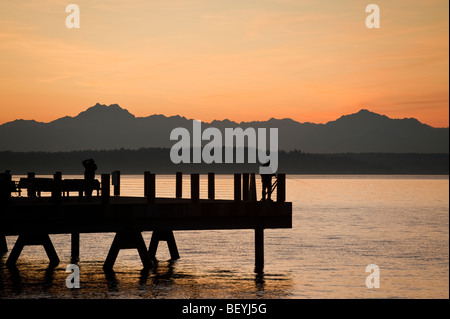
[341,224]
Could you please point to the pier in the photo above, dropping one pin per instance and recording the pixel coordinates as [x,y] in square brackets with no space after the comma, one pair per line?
[33,217]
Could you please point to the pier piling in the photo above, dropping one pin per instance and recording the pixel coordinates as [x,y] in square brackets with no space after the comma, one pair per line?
[179,185]
[57,187]
[116,182]
[106,188]
[195,188]
[259,249]
[33,240]
[150,187]
[211,186]
[167,236]
[30,191]
[237,187]
[245,186]
[252,188]
[127,240]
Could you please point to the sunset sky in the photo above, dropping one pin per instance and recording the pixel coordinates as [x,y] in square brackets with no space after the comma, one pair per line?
[310,60]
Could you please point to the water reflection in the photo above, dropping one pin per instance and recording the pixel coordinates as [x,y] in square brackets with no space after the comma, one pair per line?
[19,279]
[260,282]
[15,279]
[167,279]
[111,280]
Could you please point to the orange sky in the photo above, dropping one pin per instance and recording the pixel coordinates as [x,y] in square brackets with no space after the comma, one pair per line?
[214,59]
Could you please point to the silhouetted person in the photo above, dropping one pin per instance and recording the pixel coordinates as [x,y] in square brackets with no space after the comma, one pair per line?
[266,180]
[89,176]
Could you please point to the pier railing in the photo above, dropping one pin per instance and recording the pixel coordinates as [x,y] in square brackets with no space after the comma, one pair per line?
[244,186]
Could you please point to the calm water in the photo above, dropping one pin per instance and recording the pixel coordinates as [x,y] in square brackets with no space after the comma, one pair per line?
[341,224]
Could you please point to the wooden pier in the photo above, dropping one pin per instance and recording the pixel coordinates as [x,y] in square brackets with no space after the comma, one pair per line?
[33,218]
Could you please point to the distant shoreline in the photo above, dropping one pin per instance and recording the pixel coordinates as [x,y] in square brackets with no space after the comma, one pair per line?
[157,160]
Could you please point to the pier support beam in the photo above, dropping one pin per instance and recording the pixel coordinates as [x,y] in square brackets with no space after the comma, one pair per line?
[259,250]
[167,236]
[127,240]
[3,244]
[33,240]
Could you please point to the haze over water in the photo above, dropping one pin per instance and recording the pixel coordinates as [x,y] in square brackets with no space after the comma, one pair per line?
[341,224]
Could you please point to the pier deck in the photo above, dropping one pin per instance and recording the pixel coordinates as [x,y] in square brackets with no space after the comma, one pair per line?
[27,215]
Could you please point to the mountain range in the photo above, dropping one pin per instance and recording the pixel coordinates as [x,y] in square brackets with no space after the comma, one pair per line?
[103,127]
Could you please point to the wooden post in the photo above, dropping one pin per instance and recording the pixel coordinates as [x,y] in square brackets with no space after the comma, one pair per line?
[252,188]
[3,244]
[179,185]
[245,186]
[75,248]
[146,183]
[57,187]
[106,188]
[211,186]
[150,187]
[281,187]
[163,235]
[259,250]
[30,191]
[29,240]
[195,187]
[237,187]
[116,182]
[127,240]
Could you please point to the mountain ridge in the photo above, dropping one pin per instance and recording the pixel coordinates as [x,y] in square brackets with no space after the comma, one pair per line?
[106,127]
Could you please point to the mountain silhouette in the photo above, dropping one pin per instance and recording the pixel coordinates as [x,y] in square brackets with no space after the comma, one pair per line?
[103,127]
